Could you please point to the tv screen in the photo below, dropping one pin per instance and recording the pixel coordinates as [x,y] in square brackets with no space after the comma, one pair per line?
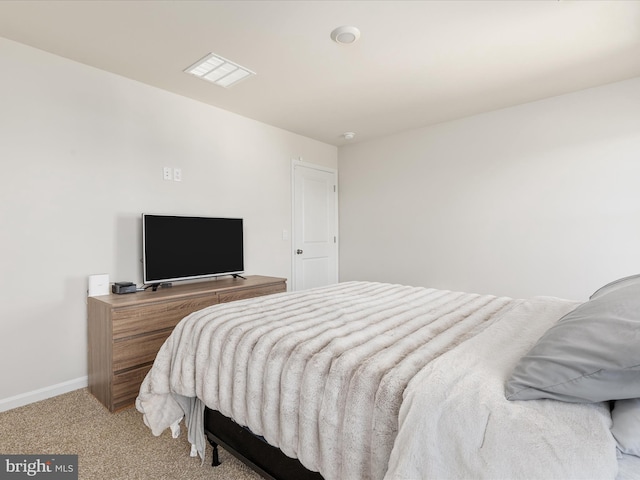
[182,247]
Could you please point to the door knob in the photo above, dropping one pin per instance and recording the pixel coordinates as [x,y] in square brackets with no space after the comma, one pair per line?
[299,252]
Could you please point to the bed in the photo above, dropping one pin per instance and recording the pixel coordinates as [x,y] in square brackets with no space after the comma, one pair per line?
[366,380]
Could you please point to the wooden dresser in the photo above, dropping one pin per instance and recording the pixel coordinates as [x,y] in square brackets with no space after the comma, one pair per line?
[126,331]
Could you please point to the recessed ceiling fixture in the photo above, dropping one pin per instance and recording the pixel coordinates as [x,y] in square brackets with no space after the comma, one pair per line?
[219,70]
[345,35]
[348,135]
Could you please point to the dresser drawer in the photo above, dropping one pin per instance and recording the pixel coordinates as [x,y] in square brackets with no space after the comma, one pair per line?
[133,352]
[251,292]
[131,321]
[127,385]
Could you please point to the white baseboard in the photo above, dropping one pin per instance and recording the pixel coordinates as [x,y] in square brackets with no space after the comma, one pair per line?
[42,393]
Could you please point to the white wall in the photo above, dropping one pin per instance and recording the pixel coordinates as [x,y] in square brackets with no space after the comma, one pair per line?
[82,153]
[538,199]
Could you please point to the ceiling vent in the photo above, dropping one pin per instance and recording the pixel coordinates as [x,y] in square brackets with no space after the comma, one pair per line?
[219,70]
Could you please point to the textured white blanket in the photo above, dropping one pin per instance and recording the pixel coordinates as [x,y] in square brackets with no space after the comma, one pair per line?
[321,374]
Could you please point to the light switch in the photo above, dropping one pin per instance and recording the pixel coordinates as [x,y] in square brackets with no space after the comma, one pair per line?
[167,173]
[177,174]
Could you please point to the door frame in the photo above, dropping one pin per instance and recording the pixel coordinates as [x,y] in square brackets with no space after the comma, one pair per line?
[296,163]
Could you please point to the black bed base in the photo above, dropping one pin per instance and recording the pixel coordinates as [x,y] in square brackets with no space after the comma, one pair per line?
[265,459]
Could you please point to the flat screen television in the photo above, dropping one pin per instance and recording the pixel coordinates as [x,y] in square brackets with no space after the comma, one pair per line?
[182,248]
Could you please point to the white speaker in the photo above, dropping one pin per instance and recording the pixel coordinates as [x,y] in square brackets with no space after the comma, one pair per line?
[98,285]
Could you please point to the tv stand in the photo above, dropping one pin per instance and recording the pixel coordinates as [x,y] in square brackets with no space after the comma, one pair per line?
[126,331]
[237,275]
[155,286]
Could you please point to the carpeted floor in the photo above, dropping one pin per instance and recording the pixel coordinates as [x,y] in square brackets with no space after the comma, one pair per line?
[108,445]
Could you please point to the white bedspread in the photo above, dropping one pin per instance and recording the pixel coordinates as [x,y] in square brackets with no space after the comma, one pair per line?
[322,374]
[455,422]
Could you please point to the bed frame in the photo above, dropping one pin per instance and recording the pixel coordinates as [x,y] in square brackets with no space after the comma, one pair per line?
[252,450]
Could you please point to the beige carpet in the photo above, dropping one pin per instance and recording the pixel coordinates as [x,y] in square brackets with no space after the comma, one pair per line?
[108,445]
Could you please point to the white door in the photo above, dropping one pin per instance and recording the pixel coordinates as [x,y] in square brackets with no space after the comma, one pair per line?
[315,226]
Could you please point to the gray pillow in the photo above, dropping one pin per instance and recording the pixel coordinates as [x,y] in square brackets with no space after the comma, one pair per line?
[626,425]
[626,282]
[591,355]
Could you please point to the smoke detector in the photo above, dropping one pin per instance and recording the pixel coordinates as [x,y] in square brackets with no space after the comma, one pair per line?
[345,35]
[348,135]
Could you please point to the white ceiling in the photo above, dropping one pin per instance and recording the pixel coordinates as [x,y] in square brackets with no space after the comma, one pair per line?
[417,62]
